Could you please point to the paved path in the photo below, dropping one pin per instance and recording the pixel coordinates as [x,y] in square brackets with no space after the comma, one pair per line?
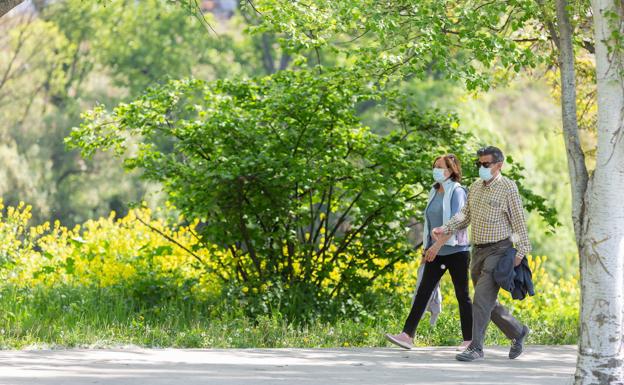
[382,366]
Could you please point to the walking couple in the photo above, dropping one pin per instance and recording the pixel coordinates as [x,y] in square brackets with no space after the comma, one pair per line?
[493,209]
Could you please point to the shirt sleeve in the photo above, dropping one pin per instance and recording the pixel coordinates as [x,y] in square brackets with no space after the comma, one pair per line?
[520,235]
[461,219]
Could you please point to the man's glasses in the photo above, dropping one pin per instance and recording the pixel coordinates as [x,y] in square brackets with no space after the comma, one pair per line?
[484,164]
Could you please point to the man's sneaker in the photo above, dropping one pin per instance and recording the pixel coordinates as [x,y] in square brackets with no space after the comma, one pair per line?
[403,340]
[463,346]
[470,354]
[518,344]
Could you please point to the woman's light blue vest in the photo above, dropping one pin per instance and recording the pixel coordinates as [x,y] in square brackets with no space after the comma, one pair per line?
[460,237]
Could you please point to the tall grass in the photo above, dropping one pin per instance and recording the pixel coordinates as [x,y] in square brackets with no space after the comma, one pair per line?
[78,317]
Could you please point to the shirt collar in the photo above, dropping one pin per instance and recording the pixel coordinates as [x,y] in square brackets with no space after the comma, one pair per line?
[496,179]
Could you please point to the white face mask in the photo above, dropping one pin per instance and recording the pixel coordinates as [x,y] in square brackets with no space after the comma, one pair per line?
[485,173]
[438,175]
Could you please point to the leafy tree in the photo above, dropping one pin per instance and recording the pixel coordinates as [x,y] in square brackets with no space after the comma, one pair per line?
[282,173]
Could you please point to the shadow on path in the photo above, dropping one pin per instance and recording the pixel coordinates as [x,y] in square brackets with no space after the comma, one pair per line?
[538,365]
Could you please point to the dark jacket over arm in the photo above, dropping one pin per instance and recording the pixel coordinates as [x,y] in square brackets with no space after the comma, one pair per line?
[517,280]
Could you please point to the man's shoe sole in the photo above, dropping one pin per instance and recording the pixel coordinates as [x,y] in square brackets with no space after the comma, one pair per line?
[397,342]
[463,359]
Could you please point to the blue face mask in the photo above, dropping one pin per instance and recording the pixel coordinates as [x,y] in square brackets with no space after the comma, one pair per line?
[438,175]
[485,173]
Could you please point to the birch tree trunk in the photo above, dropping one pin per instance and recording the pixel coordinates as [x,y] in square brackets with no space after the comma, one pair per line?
[601,350]
[7,5]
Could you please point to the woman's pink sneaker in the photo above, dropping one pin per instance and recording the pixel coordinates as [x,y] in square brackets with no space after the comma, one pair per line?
[403,340]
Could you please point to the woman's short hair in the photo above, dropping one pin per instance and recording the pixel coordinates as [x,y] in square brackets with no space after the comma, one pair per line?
[453,164]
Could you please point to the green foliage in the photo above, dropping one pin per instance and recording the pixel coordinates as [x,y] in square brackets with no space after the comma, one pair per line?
[522,120]
[71,55]
[142,43]
[464,40]
[281,173]
[532,201]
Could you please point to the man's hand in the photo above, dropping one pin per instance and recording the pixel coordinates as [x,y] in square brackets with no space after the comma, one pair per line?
[437,233]
[518,260]
[432,252]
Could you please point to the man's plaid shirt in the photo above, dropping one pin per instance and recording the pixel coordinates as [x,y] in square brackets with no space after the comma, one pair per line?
[494,212]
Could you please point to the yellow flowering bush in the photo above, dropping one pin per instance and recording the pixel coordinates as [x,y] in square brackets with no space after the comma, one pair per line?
[103,253]
[149,261]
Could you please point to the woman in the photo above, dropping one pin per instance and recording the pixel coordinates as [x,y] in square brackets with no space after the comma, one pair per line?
[446,198]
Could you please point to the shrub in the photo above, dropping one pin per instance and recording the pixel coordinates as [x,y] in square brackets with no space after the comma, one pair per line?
[309,204]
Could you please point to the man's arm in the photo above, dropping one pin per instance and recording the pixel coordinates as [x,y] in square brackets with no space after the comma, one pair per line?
[460,220]
[520,234]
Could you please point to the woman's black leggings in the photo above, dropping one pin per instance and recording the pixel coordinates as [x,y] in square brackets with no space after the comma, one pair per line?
[457,264]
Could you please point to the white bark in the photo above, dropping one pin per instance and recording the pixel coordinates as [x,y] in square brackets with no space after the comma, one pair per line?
[7,5]
[601,350]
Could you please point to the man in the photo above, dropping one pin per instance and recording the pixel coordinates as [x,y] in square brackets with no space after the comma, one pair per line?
[495,213]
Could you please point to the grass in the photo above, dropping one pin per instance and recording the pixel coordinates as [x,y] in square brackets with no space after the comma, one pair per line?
[80,317]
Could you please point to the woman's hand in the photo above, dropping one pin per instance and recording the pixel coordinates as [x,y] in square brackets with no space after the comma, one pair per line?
[432,252]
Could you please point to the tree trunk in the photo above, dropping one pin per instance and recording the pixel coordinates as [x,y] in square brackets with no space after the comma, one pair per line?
[601,349]
[576,158]
[7,5]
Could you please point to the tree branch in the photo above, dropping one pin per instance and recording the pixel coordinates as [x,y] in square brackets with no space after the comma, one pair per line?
[170,239]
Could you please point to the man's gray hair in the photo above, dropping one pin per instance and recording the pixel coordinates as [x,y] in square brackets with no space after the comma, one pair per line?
[497,154]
